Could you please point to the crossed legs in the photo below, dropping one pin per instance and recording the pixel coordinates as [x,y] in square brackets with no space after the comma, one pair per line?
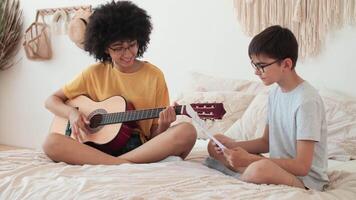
[263,171]
[177,141]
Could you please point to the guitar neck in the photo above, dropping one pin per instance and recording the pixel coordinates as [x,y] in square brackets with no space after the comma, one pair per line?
[135,115]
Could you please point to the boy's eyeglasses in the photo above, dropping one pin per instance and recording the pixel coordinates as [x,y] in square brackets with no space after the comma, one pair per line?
[260,67]
[121,50]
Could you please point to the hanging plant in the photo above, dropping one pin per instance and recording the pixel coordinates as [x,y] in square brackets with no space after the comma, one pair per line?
[10,31]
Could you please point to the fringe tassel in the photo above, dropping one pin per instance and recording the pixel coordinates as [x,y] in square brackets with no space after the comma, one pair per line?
[309,20]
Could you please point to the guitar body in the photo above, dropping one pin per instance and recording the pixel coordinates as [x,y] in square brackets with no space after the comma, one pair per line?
[101,135]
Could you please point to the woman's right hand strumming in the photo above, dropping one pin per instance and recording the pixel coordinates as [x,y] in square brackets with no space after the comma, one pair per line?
[78,121]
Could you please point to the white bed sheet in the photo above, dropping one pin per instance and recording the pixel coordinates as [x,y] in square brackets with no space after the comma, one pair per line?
[29,174]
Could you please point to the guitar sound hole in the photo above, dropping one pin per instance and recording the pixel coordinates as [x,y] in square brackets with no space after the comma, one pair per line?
[95,120]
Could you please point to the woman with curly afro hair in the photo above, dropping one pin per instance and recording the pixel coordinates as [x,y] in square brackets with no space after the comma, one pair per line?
[117,35]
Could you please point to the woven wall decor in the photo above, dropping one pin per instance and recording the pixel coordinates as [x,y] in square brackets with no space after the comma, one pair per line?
[309,20]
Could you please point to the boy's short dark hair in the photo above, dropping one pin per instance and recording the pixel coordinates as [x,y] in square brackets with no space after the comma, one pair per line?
[275,42]
[116,21]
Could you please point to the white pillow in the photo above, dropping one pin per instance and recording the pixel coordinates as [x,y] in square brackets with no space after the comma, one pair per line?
[206,83]
[251,125]
[235,104]
[340,117]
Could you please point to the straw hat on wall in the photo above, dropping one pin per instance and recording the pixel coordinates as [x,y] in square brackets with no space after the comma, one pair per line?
[77,26]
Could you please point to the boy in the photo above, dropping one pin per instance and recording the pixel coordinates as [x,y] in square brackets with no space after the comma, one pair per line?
[295,131]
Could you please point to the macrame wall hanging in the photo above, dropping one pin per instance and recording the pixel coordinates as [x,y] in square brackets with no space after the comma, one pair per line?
[309,20]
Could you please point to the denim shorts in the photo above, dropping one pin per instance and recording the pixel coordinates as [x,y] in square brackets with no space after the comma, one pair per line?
[133,142]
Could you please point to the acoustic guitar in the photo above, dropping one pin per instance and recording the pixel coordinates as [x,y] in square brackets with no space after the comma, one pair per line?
[113,120]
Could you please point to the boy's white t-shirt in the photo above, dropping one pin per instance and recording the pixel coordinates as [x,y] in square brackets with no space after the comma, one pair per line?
[299,115]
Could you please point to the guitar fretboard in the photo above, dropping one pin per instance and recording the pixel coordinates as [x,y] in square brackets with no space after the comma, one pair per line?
[134,115]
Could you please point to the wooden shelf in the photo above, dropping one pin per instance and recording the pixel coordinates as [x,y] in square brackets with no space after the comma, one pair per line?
[6,147]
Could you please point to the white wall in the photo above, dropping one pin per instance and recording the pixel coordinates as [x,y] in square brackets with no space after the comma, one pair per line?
[194,35]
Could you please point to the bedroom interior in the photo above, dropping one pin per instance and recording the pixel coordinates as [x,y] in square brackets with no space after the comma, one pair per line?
[201,46]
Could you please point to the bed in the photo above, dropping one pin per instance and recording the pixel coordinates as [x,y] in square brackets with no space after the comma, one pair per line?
[30,174]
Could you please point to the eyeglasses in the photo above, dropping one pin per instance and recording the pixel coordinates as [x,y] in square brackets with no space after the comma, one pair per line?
[260,67]
[121,50]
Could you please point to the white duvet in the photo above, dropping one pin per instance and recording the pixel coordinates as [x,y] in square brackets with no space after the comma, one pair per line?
[29,174]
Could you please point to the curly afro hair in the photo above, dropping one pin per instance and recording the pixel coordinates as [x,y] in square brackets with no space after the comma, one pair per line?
[116,21]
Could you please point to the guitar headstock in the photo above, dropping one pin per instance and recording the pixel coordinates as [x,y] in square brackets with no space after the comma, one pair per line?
[205,111]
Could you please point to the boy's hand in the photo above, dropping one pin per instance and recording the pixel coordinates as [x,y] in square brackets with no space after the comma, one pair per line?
[226,141]
[237,157]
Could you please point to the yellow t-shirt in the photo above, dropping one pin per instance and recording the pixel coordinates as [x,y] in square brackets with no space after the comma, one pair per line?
[145,88]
